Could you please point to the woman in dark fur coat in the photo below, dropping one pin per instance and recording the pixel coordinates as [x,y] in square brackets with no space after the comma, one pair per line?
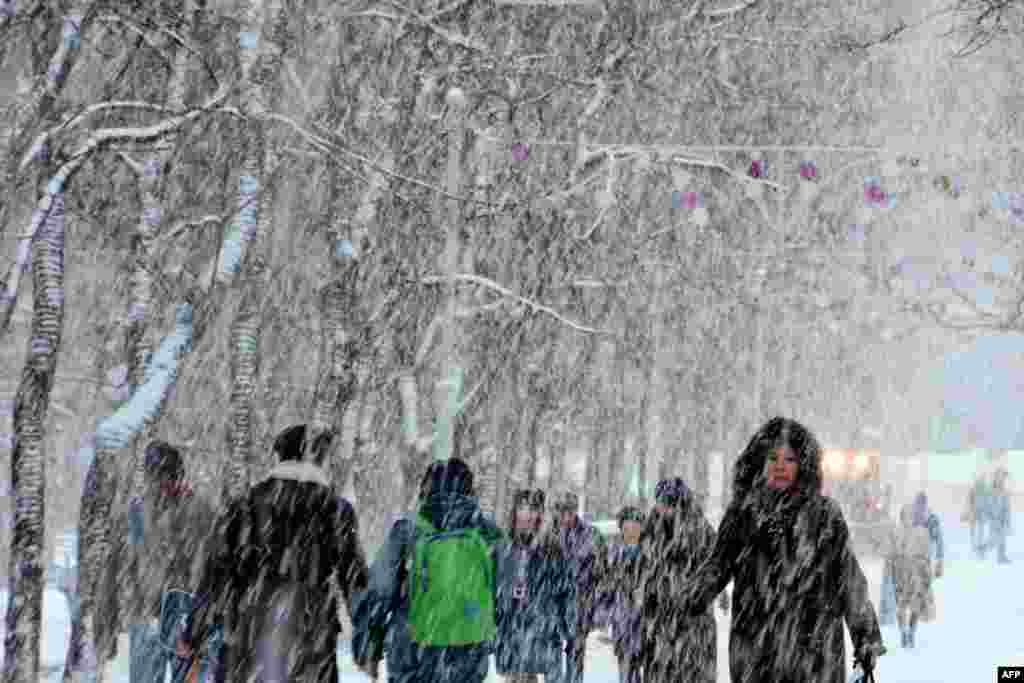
[786,548]
[677,539]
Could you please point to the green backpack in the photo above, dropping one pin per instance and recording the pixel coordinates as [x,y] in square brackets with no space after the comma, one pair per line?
[451,587]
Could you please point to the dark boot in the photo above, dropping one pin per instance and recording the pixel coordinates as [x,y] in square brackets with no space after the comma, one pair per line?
[911,630]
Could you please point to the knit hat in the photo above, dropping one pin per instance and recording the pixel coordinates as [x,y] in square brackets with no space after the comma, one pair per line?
[671,492]
[630,513]
[163,462]
[289,444]
[447,476]
[568,502]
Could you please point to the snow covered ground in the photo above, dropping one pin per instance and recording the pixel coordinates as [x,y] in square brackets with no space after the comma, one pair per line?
[980,619]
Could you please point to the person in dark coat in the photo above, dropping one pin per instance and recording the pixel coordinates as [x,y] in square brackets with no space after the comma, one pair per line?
[795,578]
[676,541]
[157,537]
[536,600]
[447,500]
[292,526]
[585,547]
[620,578]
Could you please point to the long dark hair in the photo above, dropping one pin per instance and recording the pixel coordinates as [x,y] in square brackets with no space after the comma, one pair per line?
[777,432]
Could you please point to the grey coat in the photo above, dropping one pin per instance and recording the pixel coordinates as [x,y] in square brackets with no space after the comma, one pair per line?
[532,628]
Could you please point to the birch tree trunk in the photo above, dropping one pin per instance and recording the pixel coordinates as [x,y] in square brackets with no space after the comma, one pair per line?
[449,388]
[28,460]
[34,107]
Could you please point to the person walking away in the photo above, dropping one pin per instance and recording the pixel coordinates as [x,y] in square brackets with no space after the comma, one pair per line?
[620,578]
[1000,514]
[795,578]
[976,515]
[158,536]
[924,517]
[281,554]
[908,557]
[676,540]
[432,586]
[585,548]
[536,599]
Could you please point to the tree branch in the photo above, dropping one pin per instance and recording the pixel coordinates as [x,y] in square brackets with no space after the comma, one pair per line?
[491,284]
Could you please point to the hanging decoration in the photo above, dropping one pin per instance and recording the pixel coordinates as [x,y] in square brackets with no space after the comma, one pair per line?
[1010,202]
[694,202]
[809,188]
[757,171]
[520,151]
[875,197]
[949,185]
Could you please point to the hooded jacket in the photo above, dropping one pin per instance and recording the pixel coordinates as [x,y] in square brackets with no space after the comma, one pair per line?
[795,577]
[160,537]
[585,549]
[383,606]
[291,526]
[675,647]
[533,625]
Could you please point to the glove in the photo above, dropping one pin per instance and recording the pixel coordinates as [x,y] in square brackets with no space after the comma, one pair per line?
[938,569]
[867,657]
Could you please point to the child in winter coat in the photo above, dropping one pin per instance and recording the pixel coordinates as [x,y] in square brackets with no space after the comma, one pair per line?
[625,615]
[535,601]
[910,564]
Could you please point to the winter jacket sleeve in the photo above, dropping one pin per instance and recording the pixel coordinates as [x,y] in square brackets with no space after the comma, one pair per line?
[351,561]
[217,577]
[854,592]
[373,607]
[718,569]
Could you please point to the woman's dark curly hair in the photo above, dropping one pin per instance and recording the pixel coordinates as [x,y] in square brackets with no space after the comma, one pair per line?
[777,432]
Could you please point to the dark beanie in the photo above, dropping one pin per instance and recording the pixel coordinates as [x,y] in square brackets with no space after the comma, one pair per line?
[568,502]
[530,498]
[672,492]
[163,462]
[288,444]
[447,476]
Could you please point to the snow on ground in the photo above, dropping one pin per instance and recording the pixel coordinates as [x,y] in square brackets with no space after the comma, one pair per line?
[979,605]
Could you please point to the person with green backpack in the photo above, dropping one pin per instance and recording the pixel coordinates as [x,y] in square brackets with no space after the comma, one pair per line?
[431,589]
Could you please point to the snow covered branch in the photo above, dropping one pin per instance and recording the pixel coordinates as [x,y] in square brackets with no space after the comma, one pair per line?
[492,285]
[97,141]
[729,11]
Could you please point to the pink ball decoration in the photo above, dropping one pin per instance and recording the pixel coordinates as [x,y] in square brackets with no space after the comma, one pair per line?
[808,171]
[756,168]
[520,151]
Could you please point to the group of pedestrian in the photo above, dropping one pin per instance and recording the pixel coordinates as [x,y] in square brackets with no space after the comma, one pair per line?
[988,513]
[449,588]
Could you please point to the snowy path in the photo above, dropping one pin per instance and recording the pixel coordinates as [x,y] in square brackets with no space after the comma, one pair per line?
[980,622]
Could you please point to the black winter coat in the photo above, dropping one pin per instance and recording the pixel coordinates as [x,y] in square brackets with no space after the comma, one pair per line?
[675,647]
[795,580]
[290,525]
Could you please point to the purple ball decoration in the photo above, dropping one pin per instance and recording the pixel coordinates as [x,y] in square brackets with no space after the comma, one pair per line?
[118,376]
[1015,203]
[520,151]
[6,407]
[6,8]
[856,232]
[808,171]
[757,169]
[136,312]
[6,440]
